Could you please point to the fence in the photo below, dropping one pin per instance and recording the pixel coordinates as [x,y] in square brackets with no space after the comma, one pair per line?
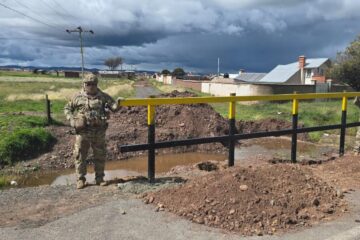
[151,103]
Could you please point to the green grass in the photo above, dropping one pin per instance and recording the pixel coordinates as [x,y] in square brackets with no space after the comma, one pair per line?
[22,144]
[4,181]
[22,137]
[27,74]
[22,110]
[310,113]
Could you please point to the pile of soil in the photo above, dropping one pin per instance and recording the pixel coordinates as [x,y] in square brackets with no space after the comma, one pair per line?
[129,126]
[261,200]
[343,173]
[268,125]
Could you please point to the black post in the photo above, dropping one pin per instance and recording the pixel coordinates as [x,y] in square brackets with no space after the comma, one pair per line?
[232,130]
[231,142]
[294,138]
[48,110]
[151,153]
[342,133]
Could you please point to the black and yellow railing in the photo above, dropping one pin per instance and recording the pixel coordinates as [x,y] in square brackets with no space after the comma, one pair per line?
[151,104]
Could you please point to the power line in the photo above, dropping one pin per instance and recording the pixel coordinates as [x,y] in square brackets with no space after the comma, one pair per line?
[50,7]
[25,15]
[65,10]
[27,7]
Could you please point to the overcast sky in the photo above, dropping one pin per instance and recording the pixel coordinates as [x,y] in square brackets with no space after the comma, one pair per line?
[254,35]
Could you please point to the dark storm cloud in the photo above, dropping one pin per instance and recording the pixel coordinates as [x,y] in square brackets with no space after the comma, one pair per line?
[252,34]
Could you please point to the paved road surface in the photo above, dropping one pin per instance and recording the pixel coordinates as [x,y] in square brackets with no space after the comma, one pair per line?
[142,222]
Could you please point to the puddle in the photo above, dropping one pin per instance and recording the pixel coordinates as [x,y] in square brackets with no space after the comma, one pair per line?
[130,167]
[269,148]
[250,152]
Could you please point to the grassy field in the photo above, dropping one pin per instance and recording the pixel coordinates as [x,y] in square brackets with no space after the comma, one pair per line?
[27,74]
[22,110]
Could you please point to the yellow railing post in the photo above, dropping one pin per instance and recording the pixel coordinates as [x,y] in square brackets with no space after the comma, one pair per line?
[295,118]
[343,125]
[232,131]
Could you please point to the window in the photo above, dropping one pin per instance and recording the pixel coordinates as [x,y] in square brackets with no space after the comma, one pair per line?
[308,73]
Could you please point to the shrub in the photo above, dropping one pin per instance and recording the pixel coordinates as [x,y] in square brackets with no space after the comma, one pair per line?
[25,143]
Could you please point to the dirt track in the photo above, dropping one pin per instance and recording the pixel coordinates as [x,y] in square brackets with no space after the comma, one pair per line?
[110,210]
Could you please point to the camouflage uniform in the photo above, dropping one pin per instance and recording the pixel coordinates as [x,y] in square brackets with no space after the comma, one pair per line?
[357,138]
[88,114]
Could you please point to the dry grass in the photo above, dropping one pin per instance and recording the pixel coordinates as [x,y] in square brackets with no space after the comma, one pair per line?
[61,94]
[115,90]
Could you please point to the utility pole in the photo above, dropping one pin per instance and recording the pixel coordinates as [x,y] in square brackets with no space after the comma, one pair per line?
[81,31]
[218,72]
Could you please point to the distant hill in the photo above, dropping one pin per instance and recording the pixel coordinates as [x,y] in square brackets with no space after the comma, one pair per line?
[63,68]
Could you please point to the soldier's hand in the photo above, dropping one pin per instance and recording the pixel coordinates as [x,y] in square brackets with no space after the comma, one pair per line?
[72,121]
[357,102]
[119,99]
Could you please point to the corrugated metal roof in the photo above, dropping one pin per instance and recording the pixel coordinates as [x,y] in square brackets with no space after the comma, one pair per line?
[250,77]
[283,73]
[315,62]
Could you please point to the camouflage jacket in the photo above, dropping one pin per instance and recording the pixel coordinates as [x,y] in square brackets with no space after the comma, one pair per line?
[93,109]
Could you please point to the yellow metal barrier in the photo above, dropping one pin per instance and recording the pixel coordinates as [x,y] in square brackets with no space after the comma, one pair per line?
[151,104]
[194,100]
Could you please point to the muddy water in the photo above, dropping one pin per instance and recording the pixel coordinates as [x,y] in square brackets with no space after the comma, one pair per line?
[280,147]
[130,167]
[250,152]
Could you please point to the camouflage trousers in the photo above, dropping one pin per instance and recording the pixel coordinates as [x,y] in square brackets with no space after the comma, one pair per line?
[84,140]
[357,142]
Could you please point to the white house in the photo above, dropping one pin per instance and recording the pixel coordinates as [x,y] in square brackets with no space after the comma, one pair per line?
[304,71]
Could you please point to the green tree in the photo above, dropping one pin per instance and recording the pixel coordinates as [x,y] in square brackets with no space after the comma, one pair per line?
[347,65]
[165,72]
[178,72]
[113,63]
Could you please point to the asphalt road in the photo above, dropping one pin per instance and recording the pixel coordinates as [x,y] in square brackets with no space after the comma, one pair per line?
[107,221]
[145,91]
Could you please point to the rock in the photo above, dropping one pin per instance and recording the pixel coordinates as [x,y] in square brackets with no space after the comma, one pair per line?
[13,183]
[199,220]
[339,193]
[328,208]
[151,199]
[232,211]
[316,202]
[243,187]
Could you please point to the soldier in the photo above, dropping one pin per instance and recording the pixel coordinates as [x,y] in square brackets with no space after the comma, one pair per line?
[357,138]
[88,112]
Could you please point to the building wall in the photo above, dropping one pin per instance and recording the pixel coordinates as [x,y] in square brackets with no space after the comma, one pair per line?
[196,85]
[295,79]
[165,79]
[315,72]
[246,89]
[72,74]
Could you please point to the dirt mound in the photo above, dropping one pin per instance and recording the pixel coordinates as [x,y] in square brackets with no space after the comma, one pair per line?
[267,125]
[344,172]
[129,126]
[261,200]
